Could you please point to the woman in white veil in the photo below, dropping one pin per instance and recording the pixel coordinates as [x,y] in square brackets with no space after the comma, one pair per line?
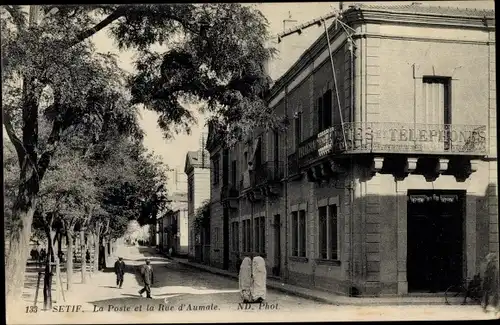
[245,279]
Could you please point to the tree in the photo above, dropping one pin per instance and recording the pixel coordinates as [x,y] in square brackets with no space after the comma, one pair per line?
[66,196]
[55,53]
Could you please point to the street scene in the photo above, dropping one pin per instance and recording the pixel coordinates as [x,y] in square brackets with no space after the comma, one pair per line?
[179,284]
[187,162]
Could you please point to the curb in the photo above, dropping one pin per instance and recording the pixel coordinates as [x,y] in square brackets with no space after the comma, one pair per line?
[360,302]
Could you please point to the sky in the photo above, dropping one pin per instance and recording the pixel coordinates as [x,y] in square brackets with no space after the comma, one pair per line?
[173,152]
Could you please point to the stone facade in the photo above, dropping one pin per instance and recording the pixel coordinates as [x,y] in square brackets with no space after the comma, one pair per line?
[197,170]
[385,98]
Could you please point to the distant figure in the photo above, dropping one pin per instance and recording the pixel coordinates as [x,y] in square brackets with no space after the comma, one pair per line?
[35,255]
[245,279]
[87,256]
[61,257]
[490,282]
[120,272]
[43,255]
[259,275]
[102,257]
[170,250]
[148,278]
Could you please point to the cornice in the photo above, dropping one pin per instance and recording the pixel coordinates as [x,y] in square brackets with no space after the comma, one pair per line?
[431,20]
[422,39]
[360,16]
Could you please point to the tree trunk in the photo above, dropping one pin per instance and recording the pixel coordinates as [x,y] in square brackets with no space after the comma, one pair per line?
[47,280]
[95,239]
[17,256]
[59,239]
[69,259]
[83,256]
[105,243]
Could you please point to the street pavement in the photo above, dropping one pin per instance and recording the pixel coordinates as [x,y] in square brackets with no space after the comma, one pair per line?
[183,294]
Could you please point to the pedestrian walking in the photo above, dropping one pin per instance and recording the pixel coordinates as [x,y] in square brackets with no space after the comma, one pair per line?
[259,275]
[148,278]
[245,279]
[120,272]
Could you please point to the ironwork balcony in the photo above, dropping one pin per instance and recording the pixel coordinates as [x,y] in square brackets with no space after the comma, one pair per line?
[268,172]
[228,192]
[386,137]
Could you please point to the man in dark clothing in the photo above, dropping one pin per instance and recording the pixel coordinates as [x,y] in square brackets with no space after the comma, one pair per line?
[102,258]
[148,278]
[119,271]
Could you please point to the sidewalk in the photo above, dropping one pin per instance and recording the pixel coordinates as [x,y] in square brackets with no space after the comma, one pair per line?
[322,296]
[79,292]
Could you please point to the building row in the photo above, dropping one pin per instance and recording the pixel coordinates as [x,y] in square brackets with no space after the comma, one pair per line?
[385,181]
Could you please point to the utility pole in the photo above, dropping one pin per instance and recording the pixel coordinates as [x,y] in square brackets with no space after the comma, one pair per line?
[337,16]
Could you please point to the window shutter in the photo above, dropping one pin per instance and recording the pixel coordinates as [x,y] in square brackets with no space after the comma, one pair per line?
[320,114]
[327,110]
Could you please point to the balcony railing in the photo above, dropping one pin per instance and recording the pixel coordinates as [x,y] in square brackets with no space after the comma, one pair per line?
[268,172]
[386,137]
[228,192]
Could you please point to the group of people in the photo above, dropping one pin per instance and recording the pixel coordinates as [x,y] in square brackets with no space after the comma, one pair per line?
[252,279]
[146,272]
[38,255]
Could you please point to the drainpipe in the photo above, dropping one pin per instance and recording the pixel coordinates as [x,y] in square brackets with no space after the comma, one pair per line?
[286,190]
[352,180]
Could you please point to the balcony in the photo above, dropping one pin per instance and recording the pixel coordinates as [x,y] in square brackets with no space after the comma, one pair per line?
[424,141]
[264,181]
[229,196]
[385,137]
[268,172]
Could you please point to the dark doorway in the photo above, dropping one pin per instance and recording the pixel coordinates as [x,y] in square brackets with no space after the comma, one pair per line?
[277,245]
[435,239]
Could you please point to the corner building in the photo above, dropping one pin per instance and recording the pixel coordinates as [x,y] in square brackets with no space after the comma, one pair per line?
[385,182]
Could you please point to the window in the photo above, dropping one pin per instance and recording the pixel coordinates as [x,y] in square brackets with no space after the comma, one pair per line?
[260,234]
[328,232]
[298,129]
[225,167]
[325,107]
[235,237]
[323,247]
[256,233]
[295,229]
[216,171]
[302,233]
[233,173]
[437,104]
[247,236]
[244,235]
[299,233]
